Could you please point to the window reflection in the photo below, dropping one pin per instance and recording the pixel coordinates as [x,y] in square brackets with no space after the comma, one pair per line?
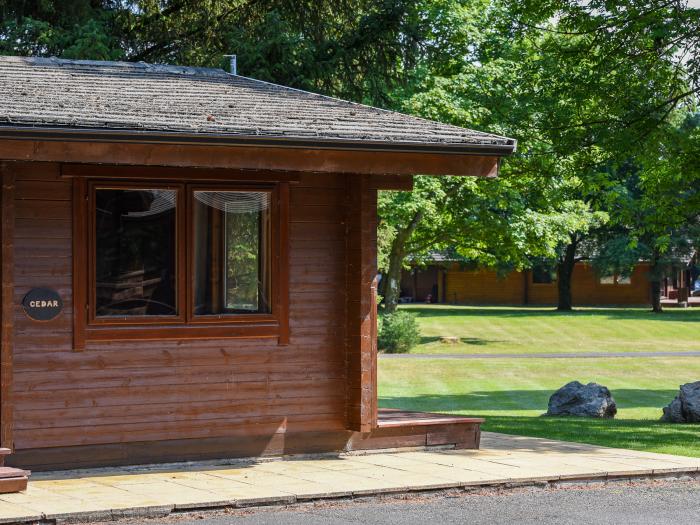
[231,252]
[135,259]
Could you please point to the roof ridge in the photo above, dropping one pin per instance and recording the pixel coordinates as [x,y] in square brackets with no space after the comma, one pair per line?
[142,66]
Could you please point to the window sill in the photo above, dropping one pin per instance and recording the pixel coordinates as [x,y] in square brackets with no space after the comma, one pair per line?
[252,330]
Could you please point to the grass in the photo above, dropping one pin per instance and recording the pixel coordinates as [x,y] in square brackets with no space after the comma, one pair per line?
[512,393]
[533,330]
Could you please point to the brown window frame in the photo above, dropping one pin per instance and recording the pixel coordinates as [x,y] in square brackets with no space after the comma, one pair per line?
[185,325]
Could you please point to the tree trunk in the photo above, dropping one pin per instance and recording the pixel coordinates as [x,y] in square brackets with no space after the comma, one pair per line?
[565,271]
[655,282]
[656,295]
[392,286]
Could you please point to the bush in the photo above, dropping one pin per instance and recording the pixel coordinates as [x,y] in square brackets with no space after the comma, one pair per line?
[397,332]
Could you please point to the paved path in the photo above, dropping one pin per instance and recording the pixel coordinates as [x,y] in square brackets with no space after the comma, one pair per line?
[100,494]
[648,503]
[568,355]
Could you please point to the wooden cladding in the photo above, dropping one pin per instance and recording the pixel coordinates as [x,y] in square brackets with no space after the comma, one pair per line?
[361,306]
[183,324]
[252,158]
[152,391]
[7,325]
[153,173]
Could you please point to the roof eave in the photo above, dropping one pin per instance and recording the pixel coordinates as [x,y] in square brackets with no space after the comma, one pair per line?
[65,134]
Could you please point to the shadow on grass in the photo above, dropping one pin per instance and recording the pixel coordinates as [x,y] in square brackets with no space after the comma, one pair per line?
[474,341]
[639,434]
[513,400]
[676,315]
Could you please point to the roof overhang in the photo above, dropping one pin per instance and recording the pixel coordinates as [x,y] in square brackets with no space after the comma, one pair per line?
[209,139]
[134,147]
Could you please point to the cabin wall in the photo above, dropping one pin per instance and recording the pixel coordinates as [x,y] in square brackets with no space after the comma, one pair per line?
[191,392]
[483,287]
[486,287]
[587,288]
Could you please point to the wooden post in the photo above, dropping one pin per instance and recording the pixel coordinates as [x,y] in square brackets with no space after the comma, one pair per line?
[7,226]
[361,304]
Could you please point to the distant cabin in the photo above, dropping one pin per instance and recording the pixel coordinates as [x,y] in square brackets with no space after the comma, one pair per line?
[451,282]
[458,283]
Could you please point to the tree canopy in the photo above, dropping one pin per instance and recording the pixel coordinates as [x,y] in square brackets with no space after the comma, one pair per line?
[602,97]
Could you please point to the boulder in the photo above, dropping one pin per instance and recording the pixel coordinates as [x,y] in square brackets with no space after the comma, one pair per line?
[577,399]
[685,408]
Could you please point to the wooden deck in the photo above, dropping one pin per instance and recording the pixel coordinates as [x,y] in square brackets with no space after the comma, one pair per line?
[391,417]
[401,429]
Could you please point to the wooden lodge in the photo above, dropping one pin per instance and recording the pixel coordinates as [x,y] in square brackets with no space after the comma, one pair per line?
[189,264]
[456,283]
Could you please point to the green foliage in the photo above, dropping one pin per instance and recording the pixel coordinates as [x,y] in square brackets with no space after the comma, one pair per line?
[398,332]
[602,97]
[356,49]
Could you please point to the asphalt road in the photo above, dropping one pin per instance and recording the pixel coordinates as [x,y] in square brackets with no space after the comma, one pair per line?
[676,503]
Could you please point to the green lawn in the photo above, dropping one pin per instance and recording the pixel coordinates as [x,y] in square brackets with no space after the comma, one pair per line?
[527,330]
[512,393]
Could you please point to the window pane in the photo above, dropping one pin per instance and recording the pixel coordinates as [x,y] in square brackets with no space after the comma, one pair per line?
[135,252]
[621,279]
[543,275]
[231,254]
[607,279]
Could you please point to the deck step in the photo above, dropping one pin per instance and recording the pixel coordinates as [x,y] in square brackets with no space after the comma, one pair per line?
[15,484]
[11,479]
[10,472]
[398,429]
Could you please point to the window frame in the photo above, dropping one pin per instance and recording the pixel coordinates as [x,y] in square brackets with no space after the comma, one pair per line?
[185,325]
[180,299]
[226,318]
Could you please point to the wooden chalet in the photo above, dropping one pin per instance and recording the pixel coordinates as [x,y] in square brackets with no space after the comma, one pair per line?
[188,264]
[450,282]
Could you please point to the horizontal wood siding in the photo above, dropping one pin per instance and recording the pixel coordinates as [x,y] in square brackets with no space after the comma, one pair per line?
[486,287]
[483,287]
[121,392]
[587,289]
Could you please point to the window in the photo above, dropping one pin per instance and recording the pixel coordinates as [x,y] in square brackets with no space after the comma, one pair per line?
[543,275]
[177,260]
[231,252]
[135,252]
[615,279]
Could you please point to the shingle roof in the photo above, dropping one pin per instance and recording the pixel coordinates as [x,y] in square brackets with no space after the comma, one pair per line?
[120,97]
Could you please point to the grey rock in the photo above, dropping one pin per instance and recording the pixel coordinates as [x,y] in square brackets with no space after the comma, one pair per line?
[685,408]
[673,413]
[577,399]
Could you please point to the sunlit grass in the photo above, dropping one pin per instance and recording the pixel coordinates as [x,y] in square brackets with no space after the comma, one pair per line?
[544,330]
[512,393]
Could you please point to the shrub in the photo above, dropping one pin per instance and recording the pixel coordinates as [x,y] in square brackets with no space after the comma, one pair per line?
[397,332]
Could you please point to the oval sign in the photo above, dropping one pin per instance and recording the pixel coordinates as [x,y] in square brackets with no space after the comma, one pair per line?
[42,304]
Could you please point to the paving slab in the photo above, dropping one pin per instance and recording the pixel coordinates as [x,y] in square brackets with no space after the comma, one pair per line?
[157,490]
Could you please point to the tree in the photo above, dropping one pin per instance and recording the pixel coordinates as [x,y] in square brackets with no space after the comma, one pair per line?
[658,208]
[355,49]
